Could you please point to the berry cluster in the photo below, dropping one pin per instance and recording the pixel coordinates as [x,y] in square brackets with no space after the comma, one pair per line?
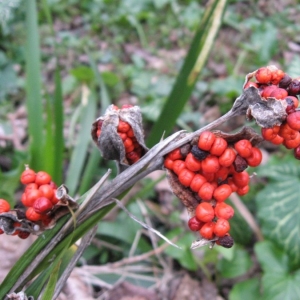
[274,83]
[39,195]
[212,170]
[132,148]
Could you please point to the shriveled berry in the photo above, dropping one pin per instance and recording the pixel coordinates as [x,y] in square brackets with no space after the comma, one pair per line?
[222,192]
[243,147]
[225,241]
[294,88]
[290,105]
[192,163]
[194,224]
[221,227]
[204,212]
[297,152]
[185,177]
[240,164]
[4,206]
[207,230]
[263,75]
[42,205]
[206,140]
[293,120]
[285,81]
[198,153]
[224,211]
[23,235]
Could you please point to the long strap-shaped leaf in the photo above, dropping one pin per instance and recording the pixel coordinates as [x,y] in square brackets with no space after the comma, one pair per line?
[33,87]
[193,64]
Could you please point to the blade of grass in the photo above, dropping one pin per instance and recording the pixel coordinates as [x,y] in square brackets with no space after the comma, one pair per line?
[56,167]
[90,170]
[104,95]
[33,87]
[50,288]
[193,64]
[83,140]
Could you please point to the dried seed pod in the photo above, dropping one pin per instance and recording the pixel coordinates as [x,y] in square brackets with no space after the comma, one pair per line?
[121,132]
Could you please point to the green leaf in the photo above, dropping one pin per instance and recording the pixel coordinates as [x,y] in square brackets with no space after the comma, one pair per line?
[81,147]
[193,65]
[83,74]
[278,208]
[278,282]
[271,258]
[293,67]
[236,267]
[246,290]
[33,87]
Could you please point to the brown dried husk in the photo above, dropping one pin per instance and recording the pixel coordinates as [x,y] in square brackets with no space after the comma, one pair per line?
[60,209]
[109,142]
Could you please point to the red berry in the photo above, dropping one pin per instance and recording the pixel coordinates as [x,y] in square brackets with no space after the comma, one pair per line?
[206,140]
[185,177]
[287,132]
[168,163]
[207,230]
[54,199]
[277,140]
[255,158]
[221,175]
[218,146]
[30,187]
[297,152]
[42,205]
[126,106]
[227,158]
[23,235]
[47,191]
[130,133]
[32,215]
[293,120]
[266,92]
[206,191]
[210,164]
[291,144]
[279,93]
[122,135]
[232,185]
[222,192]
[28,176]
[204,212]
[194,224]
[243,190]
[270,133]
[42,178]
[197,182]
[134,157]
[4,206]
[224,211]
[123,126]
[244,148]
[192,163]
[178,165]
[241,179]
[31,196]
[221,227]
[277,76]
[263,75]
[175,154]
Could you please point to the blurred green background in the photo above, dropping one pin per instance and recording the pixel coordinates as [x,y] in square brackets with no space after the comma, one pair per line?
[63,62]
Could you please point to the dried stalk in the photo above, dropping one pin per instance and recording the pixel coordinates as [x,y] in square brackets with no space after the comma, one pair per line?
[151,161]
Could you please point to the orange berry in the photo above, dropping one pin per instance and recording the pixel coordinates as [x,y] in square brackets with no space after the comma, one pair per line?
[277,140]
[32,215]
[263,75]
[279,93]
[266,92]
[255,158]
[207,230]
[291,144]
[210,164]
[185,177]
[206,140]
[4,206]
[241,179]
[244,148]
[221,227]
[227,158]
[47,191]
[28,176]
[204,212]
[206,191]
[222,192]
[168,163]
[277,76]
[218,146]
[243,190]
[178,165]
[42,178]
[31,196]
[224,211]
[123,126]
[293,120]
[197,182]
[175,154]
[192,163]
